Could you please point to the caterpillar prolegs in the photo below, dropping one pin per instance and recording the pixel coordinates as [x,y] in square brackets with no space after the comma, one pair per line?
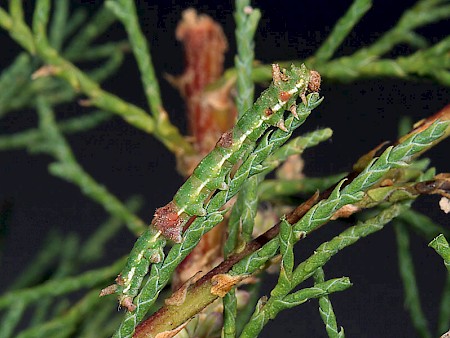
[211,172]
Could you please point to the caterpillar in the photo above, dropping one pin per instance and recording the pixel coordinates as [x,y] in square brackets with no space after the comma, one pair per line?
[233,145]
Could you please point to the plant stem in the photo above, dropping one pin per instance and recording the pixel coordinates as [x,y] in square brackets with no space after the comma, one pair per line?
[246,19]
[326,310]
[444,309]
[342,28]
[11,319]
[73,125]
[65,324]
[320,257]
[406,267]
[62,286]
[79,81]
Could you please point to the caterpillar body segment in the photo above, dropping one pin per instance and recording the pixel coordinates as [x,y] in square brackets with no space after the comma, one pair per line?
[141,256]
[234,145]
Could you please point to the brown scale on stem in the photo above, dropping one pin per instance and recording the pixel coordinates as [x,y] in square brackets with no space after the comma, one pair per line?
[223,283]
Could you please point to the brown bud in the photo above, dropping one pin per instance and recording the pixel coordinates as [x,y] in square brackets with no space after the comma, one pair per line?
[314,81]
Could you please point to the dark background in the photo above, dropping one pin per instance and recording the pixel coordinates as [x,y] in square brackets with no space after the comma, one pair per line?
[128,161]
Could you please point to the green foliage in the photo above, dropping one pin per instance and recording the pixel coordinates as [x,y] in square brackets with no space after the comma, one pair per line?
[48,72]
[326,310]
[246,24]
[406,267]
[442,247]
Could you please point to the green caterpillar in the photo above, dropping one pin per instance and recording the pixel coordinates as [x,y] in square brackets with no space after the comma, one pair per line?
[149,248]
[130,279]
[235,144]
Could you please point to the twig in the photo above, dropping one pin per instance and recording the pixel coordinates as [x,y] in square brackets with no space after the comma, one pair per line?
[422,224]
[406,267]
[79,81]
[229,315]
[37,268]
[342,28]
[444,308]
[11,319]
[271,189]
[320,257]
[62,286]
[65,324]
[59,20]
[125,11]
[326,310]
[68,169]
[70,126]
[246,19]
[98,24]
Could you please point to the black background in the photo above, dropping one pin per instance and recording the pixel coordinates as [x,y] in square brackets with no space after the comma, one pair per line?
[128,161]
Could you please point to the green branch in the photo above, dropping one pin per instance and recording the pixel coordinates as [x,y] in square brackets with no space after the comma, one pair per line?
[40,263]
[61,286]
[74,125]
[431,62]
[271,189]
[97,25]
[246,19]
[326,310]
[308,267]
[406,267]
[68,169]
[342,28]
[229,315]
[125,11]
[59,20]
[421,14]
[11,319]
[444,308]
[16,89]
[81,82]
[423,224]
[64,325]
